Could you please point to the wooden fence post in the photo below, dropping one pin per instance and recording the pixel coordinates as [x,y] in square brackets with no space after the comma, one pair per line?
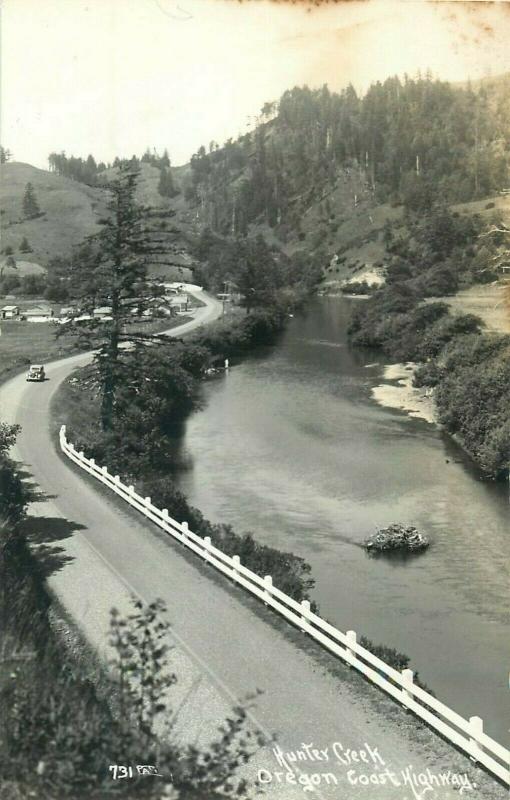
[476,725]
[408,680]
[185,529]
[268,584]
[147,501]
[207,543]
[351,640]
[305,605]
[236,562]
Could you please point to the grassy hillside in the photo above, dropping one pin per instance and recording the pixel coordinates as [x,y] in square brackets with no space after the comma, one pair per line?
[22,267]
[69,212]
[147,186]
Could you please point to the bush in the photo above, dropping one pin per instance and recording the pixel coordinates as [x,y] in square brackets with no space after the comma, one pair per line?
[357,287]
[291,574]
[472,398]
[13,494]
[9,282]
[33,285]
[393,658]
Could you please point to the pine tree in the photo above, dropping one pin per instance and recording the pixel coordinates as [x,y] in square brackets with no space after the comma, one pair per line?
[30,205]
[111,270]
[166,186]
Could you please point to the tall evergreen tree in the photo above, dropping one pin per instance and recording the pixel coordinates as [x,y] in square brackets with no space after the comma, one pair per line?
[25,246]
[5,155]
[166,187]
[111,270]
[30,205]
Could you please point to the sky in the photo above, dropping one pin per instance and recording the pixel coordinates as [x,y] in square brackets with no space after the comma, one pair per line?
[113,77]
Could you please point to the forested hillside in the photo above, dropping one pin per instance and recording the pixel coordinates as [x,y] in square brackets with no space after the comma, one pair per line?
[405,141]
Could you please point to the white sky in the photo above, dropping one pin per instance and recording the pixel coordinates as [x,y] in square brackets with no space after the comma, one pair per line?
[111,77]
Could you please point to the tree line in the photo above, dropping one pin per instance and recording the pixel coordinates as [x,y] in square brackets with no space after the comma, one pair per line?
[406,140]
[90,172]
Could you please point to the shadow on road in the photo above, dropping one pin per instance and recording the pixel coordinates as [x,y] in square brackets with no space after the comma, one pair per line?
[41,532]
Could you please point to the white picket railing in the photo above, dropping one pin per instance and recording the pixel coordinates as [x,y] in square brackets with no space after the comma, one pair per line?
[468,735]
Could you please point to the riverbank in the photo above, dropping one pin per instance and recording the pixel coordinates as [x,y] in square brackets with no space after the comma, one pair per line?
[291,447]
[397,391]
[399,735]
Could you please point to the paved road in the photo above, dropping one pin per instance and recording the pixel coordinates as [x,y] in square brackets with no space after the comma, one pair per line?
[98,554]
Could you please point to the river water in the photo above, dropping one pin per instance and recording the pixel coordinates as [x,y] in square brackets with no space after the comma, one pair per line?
[291,446]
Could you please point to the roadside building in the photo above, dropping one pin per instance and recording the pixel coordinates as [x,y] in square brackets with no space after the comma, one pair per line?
[164,310]
[103,312]
[179,304]
[173,287]
[38,314]
[67,311]
[9,312]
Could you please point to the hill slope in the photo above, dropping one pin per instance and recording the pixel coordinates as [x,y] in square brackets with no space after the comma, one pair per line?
[69,212]
[325,173]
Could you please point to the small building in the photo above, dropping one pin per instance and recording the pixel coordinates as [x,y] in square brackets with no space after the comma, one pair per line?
[67,311]
[9,312]
[83,318]
[38,314]
[102,312]
[173,288]
[179,304]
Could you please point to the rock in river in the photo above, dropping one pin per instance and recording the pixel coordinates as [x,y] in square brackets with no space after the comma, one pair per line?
[397,537]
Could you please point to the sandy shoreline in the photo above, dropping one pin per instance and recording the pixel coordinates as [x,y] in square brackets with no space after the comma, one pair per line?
[398,392]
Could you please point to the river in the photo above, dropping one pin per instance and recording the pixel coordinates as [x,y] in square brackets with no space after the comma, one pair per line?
[291,446]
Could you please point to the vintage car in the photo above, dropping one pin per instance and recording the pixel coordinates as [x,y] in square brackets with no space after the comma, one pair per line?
[36,373]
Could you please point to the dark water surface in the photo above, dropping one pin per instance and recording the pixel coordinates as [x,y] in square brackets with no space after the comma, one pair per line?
[292,447]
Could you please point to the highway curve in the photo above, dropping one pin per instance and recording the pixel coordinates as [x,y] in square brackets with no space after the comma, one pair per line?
[97,553]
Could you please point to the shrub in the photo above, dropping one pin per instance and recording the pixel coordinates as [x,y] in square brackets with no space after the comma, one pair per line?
[290,573]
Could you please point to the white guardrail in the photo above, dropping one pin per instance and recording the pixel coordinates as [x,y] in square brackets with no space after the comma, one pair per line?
[468,735]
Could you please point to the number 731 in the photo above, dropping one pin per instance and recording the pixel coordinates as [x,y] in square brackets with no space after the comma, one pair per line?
[119,771]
